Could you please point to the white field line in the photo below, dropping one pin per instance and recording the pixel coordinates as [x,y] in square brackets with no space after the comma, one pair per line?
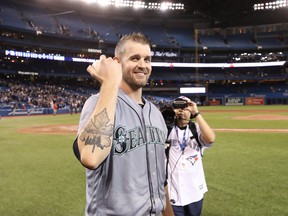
[249,130]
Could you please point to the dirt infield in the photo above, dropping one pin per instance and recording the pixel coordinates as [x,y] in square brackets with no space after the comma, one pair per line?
[51,129]
[72,129]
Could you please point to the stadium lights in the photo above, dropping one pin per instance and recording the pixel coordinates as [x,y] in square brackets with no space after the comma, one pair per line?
[138,4]
[271,5]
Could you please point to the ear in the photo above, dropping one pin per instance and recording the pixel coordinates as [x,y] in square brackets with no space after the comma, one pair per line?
[117,58]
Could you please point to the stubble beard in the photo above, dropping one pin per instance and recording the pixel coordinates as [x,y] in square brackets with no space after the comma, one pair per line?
[134,83]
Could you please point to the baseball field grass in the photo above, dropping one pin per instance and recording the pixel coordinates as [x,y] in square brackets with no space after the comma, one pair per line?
[246,170]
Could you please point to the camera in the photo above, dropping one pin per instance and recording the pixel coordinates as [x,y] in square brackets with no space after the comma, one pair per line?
[180,104]
[168,115]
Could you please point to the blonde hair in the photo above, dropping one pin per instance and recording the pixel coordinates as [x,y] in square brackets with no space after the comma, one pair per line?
[136,37]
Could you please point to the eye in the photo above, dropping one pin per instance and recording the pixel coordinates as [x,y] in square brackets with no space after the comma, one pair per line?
[148,60]
[134,59]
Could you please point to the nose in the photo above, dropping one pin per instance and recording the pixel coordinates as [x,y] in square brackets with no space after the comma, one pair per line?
[180,111]
[141,63]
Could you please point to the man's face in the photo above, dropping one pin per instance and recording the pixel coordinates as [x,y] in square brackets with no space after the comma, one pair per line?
[136,64]
[182,114]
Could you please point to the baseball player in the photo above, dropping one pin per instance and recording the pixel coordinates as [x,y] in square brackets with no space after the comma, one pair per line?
[186,180]
[121,137]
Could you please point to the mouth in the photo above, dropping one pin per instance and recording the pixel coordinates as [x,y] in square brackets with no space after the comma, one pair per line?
[140,74]
[180,114]
[141,71]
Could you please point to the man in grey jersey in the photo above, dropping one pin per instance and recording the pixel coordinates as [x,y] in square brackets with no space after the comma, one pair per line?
[121,137]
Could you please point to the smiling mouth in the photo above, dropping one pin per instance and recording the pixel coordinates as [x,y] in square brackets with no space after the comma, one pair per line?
[140,74]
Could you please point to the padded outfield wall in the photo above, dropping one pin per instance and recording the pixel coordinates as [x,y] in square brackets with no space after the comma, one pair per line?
[253,99]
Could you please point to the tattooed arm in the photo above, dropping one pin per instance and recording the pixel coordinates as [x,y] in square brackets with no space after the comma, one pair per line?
[95,137]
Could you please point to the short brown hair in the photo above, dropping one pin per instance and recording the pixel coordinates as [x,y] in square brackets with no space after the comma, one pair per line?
[135,36]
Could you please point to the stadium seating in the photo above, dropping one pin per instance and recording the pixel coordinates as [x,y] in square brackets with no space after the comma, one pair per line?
[73,32]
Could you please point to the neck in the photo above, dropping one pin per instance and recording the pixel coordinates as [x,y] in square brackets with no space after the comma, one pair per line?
[136,95]
[182,124]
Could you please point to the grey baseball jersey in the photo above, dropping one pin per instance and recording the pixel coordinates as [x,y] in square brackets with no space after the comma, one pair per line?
[130,181]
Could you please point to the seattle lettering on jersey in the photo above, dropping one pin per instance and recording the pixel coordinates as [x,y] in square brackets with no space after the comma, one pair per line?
[126,141]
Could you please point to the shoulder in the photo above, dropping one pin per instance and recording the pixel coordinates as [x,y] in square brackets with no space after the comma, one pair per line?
[92,99]
[88,108]
[152,105]
[193,126]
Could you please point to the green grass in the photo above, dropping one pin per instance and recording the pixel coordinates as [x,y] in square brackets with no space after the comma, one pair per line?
[247,175]
[246,172]
[39,173]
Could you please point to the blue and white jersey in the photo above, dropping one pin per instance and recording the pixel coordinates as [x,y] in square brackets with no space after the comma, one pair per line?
[186,179]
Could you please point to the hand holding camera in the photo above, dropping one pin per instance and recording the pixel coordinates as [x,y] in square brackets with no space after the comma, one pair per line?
[179,106]
[186,105]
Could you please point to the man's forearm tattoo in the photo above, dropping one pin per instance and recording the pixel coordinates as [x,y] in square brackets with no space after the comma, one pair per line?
[98,132]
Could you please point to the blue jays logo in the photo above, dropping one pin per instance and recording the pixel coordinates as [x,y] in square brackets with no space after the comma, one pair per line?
[193,159]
